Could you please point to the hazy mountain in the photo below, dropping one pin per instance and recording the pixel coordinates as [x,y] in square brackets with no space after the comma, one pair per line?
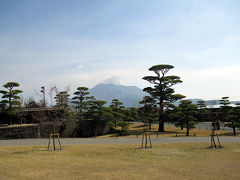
[129,95]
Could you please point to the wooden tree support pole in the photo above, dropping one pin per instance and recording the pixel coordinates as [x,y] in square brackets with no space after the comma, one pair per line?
[142,140]
[218,141]
[150,140]
[52,136]
[145,140]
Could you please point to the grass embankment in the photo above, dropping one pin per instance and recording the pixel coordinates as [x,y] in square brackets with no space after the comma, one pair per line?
[163,161]
[170,131]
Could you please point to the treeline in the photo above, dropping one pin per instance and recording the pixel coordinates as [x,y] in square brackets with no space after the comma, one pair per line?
[84,107]
[158,106]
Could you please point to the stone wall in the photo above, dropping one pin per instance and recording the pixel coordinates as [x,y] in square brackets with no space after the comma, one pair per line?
[69,127]
[18,132]
[65,128]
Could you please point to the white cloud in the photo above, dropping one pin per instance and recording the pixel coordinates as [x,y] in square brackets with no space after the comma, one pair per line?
[211,83]
[79,66]
[113,80]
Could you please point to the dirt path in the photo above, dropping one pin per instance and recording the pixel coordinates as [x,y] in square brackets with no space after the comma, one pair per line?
[67,141]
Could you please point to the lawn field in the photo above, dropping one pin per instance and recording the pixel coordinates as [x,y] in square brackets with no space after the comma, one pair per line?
[170,131]
[116,161]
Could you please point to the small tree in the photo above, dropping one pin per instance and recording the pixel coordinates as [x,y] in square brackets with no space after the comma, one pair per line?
[186,115]
[62,101]
[124,127]
[117,110]
[53,90]
[225,108]
[162,90]
[234,118]
[202,111]
[81,100]
[10,98]
[148,111]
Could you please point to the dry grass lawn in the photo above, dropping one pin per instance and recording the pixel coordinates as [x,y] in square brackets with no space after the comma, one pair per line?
[170,131]
[115,161]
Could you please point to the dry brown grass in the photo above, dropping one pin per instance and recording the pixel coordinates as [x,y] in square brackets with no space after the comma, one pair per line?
[163,161]
[170,131]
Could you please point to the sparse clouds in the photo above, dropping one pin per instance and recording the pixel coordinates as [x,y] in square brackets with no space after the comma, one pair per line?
[83,44]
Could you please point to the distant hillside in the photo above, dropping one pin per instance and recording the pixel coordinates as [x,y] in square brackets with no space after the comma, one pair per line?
[211,102]
[129,95]
[207,102]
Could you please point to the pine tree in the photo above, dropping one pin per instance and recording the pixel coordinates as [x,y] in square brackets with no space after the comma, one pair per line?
[162,90]
[187,115]
[10,97]
[81,100]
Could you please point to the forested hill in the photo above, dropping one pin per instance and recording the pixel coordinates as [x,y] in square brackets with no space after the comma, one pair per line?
[129,95]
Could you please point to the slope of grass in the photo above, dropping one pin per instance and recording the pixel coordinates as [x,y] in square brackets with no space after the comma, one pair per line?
[163,161]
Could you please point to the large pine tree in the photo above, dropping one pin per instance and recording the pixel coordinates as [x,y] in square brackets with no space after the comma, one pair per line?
[162,90]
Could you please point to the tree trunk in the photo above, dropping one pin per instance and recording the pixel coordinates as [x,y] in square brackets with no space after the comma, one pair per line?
[187,126]
[150,125]
[10,120]
[161,120]
[234,131]
[161,124]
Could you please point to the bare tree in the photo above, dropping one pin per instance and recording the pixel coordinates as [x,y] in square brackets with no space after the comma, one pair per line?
[53,90]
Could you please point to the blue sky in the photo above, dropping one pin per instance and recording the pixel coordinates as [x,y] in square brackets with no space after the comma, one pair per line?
[83,43]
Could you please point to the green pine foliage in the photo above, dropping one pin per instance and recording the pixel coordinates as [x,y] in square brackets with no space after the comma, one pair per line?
[100,114]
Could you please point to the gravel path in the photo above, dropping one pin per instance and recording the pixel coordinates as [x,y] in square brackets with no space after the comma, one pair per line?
[67,141]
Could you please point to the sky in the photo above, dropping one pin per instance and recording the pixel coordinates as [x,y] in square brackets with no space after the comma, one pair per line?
[83,43]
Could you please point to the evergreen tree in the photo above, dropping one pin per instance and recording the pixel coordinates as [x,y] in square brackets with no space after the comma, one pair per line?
[162,90]
[202,111]
[124,127]
[186,115]
[81,100]
[10,99]
[11,96]
[118,111]
[234,118]
[148,111]
[225,108]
